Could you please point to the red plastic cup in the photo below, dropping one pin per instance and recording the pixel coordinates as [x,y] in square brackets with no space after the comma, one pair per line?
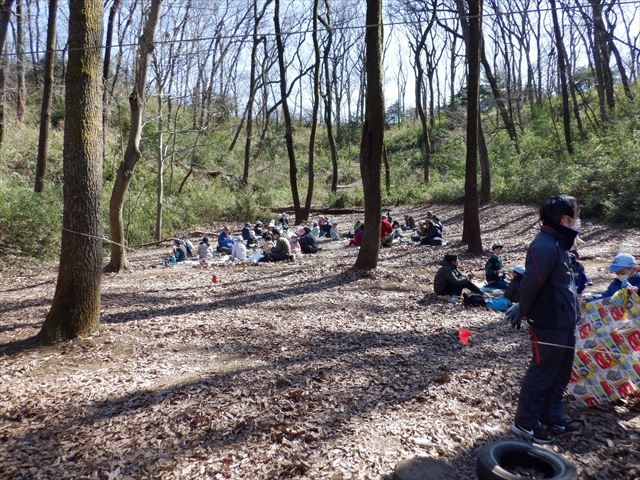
[214,279]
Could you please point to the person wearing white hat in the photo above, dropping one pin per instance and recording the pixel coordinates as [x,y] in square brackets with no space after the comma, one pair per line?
[512,292]
[625,267]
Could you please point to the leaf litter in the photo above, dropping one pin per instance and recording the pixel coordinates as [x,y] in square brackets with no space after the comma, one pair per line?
[303,369]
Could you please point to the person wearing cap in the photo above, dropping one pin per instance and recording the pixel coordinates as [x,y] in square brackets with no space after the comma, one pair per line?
[281,249]
[494,270]
[225,242]
[625,267]
[512,292]
[450,281]
[549,306]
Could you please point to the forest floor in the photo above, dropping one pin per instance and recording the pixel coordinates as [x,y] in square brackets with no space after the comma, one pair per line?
[300,369]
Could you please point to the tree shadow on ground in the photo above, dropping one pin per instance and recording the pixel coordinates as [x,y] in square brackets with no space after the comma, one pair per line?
[311,395]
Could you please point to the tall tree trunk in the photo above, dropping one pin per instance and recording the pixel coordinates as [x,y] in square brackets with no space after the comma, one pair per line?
[562,73]
[601,44]
[330,85]
[118,260]
[160,172]
[75,310]
[315,106]
[106,66]
[472,33]
[371,146]
[288,133]
[5,18]
[47,98]
[21,94]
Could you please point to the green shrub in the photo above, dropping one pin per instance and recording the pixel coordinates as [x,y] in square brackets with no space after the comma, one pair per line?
[30,223]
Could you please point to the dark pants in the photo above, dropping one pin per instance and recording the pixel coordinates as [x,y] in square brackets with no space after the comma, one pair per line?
[546,378]
[499,284]
[275,257]
[453,290]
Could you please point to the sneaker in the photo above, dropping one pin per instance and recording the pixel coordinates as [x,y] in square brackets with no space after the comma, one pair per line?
[571,428]
[535,434]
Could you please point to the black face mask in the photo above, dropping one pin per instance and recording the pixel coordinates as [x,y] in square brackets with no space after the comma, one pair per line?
[568,235]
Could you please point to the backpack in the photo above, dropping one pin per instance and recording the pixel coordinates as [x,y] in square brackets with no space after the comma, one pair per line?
[473,300]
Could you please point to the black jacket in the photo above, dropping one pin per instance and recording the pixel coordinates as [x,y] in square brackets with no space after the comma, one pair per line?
[547,291]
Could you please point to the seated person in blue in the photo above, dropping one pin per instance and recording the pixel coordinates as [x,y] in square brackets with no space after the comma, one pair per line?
[494,269]
[627,275]
[225,242]
[451,281]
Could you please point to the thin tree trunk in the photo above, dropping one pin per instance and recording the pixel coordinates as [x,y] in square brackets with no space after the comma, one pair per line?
[315,106]
[118,260]
[75,310]
[288,135]
[562,67]
[47,98]
[5,19]
[21,94]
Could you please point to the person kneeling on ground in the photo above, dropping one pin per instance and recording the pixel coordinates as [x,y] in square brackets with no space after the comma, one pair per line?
[307,243]
[280,251]
[357,236]
[451,281]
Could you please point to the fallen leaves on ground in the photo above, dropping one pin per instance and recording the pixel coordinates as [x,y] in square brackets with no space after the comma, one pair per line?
[303,369]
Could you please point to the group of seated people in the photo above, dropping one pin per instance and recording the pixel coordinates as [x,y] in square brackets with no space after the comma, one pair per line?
[450,281]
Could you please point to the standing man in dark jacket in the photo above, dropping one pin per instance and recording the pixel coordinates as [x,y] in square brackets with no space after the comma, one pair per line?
[548,303]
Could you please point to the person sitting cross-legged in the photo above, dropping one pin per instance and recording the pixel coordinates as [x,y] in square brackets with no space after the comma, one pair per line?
[281,249]
[451,281]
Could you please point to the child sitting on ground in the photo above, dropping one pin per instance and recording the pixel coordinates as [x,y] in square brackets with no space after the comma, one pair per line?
[512,292]
[493,269]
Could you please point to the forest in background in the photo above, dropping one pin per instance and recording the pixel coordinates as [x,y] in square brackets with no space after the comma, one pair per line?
[559,110]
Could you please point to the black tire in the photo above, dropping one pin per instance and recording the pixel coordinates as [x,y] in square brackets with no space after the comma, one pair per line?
[499,460]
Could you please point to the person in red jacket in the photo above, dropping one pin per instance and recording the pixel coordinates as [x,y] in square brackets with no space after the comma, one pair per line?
[386,232]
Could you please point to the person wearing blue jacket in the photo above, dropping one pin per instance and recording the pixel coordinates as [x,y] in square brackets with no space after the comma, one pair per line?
[626,269]
[549,305]
[225,242]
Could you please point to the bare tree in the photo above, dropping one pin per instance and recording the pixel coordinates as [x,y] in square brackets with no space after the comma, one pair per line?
[562,73]
[47,97]
[288,135]
[118,260]
[21,93]
[75,310]
[5,18]
[372,143]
